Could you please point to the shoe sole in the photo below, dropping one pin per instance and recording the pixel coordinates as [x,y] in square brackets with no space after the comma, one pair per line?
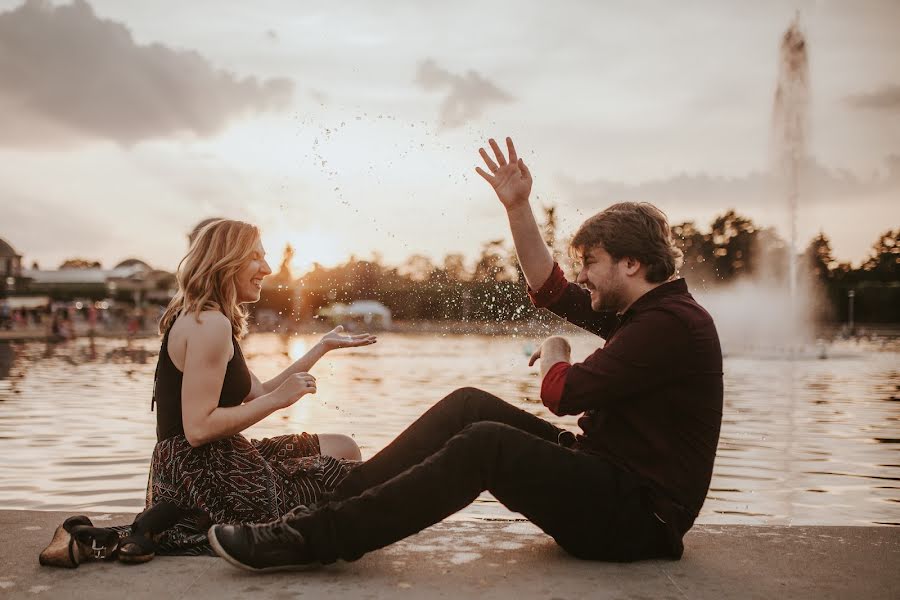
[61,551]
[137,559]
[218,549]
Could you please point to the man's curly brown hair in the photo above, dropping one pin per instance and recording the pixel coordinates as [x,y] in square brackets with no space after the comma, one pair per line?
[636,230]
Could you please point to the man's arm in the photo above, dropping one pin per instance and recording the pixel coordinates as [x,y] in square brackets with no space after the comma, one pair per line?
[547,286]
[512,183]
[650,351]
[573,303]
[553,350]
[555,355]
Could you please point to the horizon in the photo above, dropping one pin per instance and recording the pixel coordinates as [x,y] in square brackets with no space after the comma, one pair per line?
[299,269]
[342,130]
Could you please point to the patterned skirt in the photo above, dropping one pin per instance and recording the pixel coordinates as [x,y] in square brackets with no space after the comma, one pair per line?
[236,480]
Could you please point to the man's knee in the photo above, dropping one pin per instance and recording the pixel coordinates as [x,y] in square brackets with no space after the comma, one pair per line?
[465,393]
[483,433]
[488,445]
[467,400]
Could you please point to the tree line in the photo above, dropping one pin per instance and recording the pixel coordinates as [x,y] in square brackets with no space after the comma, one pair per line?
[732,249]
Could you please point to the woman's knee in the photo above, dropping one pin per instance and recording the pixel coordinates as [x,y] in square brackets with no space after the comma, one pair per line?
[339,446]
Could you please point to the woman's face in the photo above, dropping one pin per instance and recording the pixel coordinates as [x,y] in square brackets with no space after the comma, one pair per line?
[250,277]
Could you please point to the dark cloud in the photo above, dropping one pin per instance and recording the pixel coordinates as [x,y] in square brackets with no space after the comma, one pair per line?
[66,74]
[699,192]
[467,95]
[886,98]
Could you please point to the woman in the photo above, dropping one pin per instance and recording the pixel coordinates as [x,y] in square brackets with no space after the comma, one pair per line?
[202,468]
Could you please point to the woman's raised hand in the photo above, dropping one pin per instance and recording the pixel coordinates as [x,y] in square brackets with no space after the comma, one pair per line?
[336,338]
[510,180]
[295,387]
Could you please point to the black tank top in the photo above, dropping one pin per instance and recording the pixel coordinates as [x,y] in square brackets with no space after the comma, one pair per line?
[167,389]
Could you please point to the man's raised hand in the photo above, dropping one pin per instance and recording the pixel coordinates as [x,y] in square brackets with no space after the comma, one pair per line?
[510,180]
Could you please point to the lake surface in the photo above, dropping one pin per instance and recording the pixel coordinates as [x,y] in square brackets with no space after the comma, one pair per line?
[803,441]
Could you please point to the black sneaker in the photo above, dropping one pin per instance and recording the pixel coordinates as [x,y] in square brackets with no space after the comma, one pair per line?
[272,546]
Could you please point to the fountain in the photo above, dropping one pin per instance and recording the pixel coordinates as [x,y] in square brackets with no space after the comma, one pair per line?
[790,125]
[762,317]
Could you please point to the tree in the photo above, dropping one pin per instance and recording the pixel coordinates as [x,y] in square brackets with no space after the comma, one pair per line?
[550,227]
[770,256]
[697,250]
[80,263]
[455,267]
[490,266]
[287,256]
[818,259]
[419,267]
[884,262]
[734,239]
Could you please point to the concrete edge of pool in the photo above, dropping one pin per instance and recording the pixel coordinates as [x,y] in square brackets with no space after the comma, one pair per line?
[491,560]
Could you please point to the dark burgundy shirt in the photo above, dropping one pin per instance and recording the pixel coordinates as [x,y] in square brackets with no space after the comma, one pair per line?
[652,396]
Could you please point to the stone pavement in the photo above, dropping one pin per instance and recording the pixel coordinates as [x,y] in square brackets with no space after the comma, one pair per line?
[510,560]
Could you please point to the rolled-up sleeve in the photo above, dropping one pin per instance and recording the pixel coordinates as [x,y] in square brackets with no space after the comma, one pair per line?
[552,290]
[641,355]
[553,384]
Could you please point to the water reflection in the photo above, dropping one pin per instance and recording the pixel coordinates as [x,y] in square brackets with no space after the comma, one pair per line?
[7,358]
[804,442]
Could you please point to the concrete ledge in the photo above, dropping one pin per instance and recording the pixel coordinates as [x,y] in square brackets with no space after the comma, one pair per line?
[489,560]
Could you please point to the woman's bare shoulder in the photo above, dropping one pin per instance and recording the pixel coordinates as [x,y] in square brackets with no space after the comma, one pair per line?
[208,330]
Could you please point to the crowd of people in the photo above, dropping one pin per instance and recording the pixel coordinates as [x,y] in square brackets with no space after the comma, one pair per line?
[60,321]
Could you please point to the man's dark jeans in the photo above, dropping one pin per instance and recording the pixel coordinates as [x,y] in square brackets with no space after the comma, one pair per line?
[472,441]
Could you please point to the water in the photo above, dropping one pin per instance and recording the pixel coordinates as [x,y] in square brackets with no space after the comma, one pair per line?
[803,441]
[790,124]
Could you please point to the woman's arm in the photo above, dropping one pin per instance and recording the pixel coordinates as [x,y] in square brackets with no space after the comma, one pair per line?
[205,361]
[332,340]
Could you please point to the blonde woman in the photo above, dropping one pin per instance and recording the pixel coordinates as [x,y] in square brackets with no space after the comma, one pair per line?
[203,469]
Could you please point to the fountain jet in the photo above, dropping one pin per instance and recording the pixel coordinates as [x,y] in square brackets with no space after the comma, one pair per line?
[790,132]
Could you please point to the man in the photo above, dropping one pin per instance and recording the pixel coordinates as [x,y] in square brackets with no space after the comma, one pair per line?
[629,487]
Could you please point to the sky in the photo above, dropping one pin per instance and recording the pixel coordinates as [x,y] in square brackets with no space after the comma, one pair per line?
[352,128]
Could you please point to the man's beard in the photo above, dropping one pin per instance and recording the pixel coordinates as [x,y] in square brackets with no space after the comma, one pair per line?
[610,298]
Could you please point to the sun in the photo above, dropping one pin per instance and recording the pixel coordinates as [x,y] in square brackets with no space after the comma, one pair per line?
[309,247]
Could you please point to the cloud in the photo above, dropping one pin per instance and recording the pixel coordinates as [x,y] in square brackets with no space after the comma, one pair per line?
[822,185]
[67,75]
[467,96]
[886,98]
[849,208]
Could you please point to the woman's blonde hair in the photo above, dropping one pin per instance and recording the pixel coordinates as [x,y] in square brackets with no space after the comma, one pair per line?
[207,274]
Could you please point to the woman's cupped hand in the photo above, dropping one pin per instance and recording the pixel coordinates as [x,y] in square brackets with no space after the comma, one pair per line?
[336,338]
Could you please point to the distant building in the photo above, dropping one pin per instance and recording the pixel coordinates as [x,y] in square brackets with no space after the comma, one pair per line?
[132,279]
[129,263]
[10,269]
[367,312]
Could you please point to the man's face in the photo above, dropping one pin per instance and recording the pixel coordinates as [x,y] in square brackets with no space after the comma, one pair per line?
[601,275]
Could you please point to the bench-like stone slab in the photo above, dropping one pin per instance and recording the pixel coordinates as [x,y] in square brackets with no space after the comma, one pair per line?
[465,559]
